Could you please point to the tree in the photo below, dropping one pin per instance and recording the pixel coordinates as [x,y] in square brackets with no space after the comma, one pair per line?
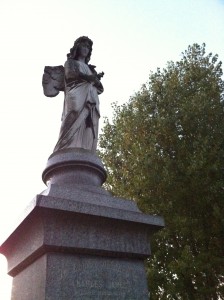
[165,150]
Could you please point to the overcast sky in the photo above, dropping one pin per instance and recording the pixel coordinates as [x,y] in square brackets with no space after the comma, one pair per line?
[131,38]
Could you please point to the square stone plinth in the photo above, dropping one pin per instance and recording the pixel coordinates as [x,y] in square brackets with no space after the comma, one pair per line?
[91,247]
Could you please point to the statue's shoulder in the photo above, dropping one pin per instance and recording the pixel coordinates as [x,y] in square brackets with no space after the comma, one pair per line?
[53,80]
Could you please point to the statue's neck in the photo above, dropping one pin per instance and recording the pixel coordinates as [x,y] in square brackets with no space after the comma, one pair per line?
[82,59]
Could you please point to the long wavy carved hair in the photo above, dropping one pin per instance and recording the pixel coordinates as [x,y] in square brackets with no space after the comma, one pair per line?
[74,50]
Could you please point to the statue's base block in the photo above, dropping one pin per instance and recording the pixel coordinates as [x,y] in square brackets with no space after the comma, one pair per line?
[77,241]
[69,276]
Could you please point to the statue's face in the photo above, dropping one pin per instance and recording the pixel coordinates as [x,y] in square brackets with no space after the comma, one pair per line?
[84,49]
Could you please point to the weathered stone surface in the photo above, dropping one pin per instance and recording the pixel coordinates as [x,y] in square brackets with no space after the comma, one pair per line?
[74,166]
[57,276]
[55,224]
[76,241]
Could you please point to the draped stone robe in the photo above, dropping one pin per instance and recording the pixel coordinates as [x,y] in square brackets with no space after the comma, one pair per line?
[81,113]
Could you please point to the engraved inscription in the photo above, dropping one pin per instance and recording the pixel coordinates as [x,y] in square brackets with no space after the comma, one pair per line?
[105,278]
[91,284]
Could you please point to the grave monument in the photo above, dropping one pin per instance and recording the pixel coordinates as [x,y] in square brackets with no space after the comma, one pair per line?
[76,240]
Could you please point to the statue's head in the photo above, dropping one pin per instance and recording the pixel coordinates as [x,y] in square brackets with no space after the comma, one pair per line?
[74,50]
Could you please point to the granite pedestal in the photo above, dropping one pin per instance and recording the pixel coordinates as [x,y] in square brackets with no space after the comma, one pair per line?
[76,241]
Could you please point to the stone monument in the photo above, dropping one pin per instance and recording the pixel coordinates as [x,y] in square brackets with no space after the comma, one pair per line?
[75,240]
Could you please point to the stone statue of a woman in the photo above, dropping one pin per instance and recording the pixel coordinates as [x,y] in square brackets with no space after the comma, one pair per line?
[81,85]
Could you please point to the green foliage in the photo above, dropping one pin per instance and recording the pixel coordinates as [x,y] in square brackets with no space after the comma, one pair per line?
[165,150]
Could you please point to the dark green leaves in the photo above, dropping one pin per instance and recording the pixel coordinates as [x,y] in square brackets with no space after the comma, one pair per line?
[165,150]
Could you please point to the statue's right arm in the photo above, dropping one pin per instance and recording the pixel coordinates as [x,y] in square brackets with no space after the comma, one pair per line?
[72,72]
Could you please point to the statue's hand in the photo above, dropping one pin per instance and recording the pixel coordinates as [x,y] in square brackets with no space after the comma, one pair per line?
[100,75]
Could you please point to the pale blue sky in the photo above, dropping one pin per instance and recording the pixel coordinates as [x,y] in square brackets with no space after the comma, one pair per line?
[130,39]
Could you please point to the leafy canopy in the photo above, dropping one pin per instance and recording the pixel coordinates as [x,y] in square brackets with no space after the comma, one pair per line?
[165,150]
